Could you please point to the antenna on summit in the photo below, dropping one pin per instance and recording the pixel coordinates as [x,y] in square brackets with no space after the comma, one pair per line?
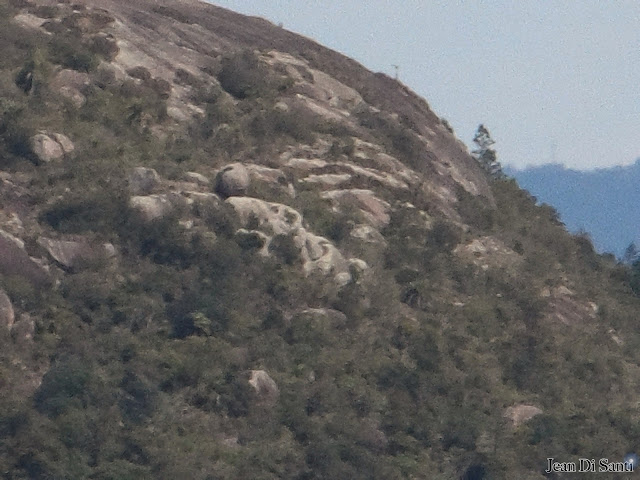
[397,68]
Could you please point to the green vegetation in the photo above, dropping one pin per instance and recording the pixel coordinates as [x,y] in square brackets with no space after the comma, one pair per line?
[139,365]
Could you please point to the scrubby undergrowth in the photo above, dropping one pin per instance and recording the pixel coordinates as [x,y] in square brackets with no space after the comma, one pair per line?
[138,366]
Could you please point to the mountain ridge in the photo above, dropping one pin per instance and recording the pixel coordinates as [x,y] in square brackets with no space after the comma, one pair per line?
[221,259]
[600,202]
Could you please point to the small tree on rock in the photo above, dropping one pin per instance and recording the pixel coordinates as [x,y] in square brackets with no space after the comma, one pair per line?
[484,154]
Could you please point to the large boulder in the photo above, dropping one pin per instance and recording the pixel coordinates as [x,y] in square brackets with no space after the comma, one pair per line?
[265,387]
[46,148]
[317,253]
[519,414]
[15,261]
[72,254]
[272,218]
[153,207]
[67,145]
[233,180]
[142,180]
[198,178]
[320,255]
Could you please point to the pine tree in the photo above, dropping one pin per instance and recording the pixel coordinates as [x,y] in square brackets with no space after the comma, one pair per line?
[631,254]
[484,154]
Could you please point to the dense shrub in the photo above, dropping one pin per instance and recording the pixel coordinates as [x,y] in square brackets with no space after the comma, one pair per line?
[100,211]
[63,387]
[138,401]
[70,53]
[243,75]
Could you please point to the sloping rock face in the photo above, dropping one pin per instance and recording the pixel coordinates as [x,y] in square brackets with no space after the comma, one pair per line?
[320,232]
[49,147]
[519,414]
[329,84]
[233,180]
[264,386]
[73,254]
[142,181]
[15,261]
[318,254]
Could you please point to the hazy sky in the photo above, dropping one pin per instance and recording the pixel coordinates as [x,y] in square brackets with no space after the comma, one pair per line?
[552,80]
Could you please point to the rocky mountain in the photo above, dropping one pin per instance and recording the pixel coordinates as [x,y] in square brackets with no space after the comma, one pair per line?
[227,252]
[601,202]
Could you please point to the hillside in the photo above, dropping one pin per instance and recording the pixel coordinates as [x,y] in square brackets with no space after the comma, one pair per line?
[227,252]
[601,202]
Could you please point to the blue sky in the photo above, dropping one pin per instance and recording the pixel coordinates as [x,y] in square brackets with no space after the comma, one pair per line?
[554,81]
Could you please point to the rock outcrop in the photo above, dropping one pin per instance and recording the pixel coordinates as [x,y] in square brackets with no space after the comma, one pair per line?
[143,181]
[74,254]
[374,210]
[318,254]
[264,386]
[49,147]
[15,261]
[233,180]
[152,207]
[519,414]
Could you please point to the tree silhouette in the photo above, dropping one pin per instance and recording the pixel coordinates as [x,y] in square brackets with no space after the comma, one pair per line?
[484,154]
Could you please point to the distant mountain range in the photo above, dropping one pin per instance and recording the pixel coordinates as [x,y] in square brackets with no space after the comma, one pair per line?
[604,202]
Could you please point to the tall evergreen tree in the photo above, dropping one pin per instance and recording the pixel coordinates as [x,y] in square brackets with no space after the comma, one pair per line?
[484,154]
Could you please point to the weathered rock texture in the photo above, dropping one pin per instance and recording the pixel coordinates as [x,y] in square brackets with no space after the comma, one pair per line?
[519,414]
[49,147]
[15,261]
[264,386]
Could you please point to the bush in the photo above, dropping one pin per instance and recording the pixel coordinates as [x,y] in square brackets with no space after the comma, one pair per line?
[15,132]
[285,249]
[63,387]
[97,211]
[243,75]
[139,399]
[443,236]
[71,53]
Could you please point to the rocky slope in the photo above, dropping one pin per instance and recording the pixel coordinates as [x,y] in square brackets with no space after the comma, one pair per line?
[228,252]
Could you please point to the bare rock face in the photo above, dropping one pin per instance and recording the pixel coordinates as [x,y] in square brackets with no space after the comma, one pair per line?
[334,318]
[375,210]
[271,178]
[7,315]
[265,387]
[487,252]
[318,254]
[46,148]
[564,306]
[233,180]
[275,218]
[72,254]
[14,260]
[198,178]
[67,145]
[152,207]
[367,234]
[142,180]
[519,414]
